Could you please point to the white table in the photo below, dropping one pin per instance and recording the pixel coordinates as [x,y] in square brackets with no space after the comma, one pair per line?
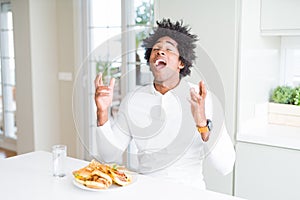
[28,176]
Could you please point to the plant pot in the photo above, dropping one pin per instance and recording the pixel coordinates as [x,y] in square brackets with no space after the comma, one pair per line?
[284,114]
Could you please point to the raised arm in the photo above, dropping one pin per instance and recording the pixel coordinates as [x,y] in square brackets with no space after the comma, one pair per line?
[103,98]
[112,138]
[198,108]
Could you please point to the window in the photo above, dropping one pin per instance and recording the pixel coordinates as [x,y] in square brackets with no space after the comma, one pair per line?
[7,79]
[114,43]
[113,33]
[290,61]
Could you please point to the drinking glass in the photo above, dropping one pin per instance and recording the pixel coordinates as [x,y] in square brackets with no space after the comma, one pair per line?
[59,154]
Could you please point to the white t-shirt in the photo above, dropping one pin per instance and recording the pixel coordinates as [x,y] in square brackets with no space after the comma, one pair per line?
[163,138]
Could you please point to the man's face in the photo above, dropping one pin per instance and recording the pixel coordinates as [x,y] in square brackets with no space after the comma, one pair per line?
[164,59]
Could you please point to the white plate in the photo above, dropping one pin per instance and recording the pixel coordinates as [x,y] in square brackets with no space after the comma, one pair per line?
[111,188]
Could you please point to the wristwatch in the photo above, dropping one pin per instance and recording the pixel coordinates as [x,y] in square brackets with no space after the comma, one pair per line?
[206,128]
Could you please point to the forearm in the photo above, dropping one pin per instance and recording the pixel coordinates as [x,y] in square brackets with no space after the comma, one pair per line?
[107,151]
[222,154]
[102,117]
[111,143]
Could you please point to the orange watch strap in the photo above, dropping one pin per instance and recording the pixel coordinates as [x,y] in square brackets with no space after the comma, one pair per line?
[203,129]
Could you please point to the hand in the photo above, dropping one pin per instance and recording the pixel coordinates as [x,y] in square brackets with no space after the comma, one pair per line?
[198,104]
[103,98]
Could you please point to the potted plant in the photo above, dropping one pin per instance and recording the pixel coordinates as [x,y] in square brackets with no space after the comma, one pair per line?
[284,107]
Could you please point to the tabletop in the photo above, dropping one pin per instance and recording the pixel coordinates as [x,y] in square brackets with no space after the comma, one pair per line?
[29,176]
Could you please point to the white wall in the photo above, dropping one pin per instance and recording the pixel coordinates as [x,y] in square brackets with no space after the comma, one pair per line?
[24,94]
[43,47]
[35,27]
[66,63]
[259,56]
[215,24]
[44,60]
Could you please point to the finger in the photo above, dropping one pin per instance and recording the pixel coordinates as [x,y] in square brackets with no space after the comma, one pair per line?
[189,100]
[192,93]
[192,102]
[103,89]
[195,96]
[202,89]
[112,83]
[104,94]
[98,80]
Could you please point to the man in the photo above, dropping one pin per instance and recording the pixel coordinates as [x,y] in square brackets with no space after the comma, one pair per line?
[170,121]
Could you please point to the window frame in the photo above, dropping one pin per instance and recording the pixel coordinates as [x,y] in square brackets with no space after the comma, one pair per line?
[7,140]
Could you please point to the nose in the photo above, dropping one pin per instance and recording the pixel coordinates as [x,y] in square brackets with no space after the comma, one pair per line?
[160,53]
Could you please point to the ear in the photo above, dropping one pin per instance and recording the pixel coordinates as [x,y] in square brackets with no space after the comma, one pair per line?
[181,66]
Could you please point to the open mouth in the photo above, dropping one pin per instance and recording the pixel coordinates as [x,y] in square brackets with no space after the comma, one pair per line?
[160,63]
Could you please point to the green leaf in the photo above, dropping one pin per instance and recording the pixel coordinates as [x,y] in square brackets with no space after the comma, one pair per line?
[282,94]
[296,96]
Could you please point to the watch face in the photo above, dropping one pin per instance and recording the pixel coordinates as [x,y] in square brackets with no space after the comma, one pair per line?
[209,124]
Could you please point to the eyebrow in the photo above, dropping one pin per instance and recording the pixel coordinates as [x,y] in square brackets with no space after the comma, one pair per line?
[169,42]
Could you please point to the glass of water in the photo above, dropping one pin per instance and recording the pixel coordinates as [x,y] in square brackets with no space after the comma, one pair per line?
[59,154]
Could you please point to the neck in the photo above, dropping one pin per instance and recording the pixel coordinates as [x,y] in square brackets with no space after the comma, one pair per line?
[164,86]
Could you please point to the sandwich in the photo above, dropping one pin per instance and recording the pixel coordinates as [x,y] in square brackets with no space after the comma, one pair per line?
[119,175]
[92,177]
